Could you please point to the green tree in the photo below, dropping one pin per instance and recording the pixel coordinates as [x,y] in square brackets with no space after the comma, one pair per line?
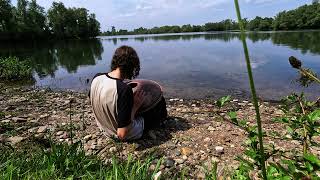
[6,16]
[36,18]
[21,16]
[57,15]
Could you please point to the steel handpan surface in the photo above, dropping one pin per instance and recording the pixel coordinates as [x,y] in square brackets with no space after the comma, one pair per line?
[152,92]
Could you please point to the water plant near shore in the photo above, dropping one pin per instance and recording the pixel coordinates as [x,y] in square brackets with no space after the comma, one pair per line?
[14,69]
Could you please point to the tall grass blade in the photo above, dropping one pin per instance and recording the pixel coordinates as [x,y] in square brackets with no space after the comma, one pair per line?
[252,87]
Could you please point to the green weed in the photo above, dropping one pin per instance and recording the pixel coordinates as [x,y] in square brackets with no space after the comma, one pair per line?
[13,69]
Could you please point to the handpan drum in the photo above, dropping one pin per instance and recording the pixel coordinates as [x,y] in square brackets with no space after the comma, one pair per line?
[152,92]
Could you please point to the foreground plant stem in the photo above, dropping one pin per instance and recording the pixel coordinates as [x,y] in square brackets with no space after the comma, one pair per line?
[253,90]
[311,76]
[305,135]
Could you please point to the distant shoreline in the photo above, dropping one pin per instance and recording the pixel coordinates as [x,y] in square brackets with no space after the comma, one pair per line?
[209,32]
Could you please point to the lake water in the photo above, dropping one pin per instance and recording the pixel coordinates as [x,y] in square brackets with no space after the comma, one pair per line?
[201,65]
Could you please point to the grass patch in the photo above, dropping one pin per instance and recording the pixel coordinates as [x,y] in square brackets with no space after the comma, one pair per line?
[62,161]
[13,69]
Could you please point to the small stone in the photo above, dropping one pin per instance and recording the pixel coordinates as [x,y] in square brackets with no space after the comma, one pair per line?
[169,162]
[179,161]
[16,139]
[32,130]
[181,100]
[219,149]
[152,167]
[161,167]
[184,157]
[210,128]
[87,137]
[177,153]
[93,146]
[42,129]
[59,133]
[113,149]
[19,119]
[206,139]
[186,151]
[5,121]
[7,116]
[64,136]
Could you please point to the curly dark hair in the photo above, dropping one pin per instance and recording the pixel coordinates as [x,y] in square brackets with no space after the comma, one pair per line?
[126,58]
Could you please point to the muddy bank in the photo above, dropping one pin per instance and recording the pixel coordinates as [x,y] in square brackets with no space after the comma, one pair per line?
[196,134]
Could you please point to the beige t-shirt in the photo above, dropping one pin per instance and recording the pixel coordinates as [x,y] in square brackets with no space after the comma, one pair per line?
[112,102]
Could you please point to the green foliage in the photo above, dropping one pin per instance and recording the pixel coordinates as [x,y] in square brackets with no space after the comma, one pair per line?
[304,17]
[64,161]
[222,101]
[72,22]
[12,68]
[260,24]
[28,20]
[301,119]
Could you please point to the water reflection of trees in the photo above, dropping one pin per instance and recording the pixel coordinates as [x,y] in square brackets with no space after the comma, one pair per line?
[306,41]
[47,57]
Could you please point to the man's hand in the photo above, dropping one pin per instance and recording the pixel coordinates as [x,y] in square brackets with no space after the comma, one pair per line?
[122,132]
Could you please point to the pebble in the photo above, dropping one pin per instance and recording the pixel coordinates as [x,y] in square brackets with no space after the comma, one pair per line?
[42,129]
[186,151]
[59,133]
[64,136]
[113,149]
[179,161]
[19,119]
[184,157]
[87,137]
[169,162]
[177,153]
[210,128]
[206,139]
[16,139]
[219,149]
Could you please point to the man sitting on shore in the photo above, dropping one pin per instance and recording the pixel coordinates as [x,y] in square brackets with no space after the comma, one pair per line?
[114,104]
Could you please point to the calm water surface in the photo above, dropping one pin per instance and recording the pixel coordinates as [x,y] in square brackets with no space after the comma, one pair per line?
[187,65]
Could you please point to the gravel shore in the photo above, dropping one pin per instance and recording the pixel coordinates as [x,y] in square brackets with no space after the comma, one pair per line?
[196,134]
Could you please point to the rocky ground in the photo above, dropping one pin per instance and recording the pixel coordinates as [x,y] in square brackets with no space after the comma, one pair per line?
[196,134]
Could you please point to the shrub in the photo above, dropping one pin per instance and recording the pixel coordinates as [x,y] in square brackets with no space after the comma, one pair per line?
[13,69]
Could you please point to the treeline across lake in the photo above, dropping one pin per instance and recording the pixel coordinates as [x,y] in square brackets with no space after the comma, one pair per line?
[28,20]
[304,17]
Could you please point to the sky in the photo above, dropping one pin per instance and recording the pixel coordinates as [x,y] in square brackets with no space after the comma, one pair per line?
[131,14]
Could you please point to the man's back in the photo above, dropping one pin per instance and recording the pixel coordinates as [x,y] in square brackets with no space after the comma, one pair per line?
[112,102]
